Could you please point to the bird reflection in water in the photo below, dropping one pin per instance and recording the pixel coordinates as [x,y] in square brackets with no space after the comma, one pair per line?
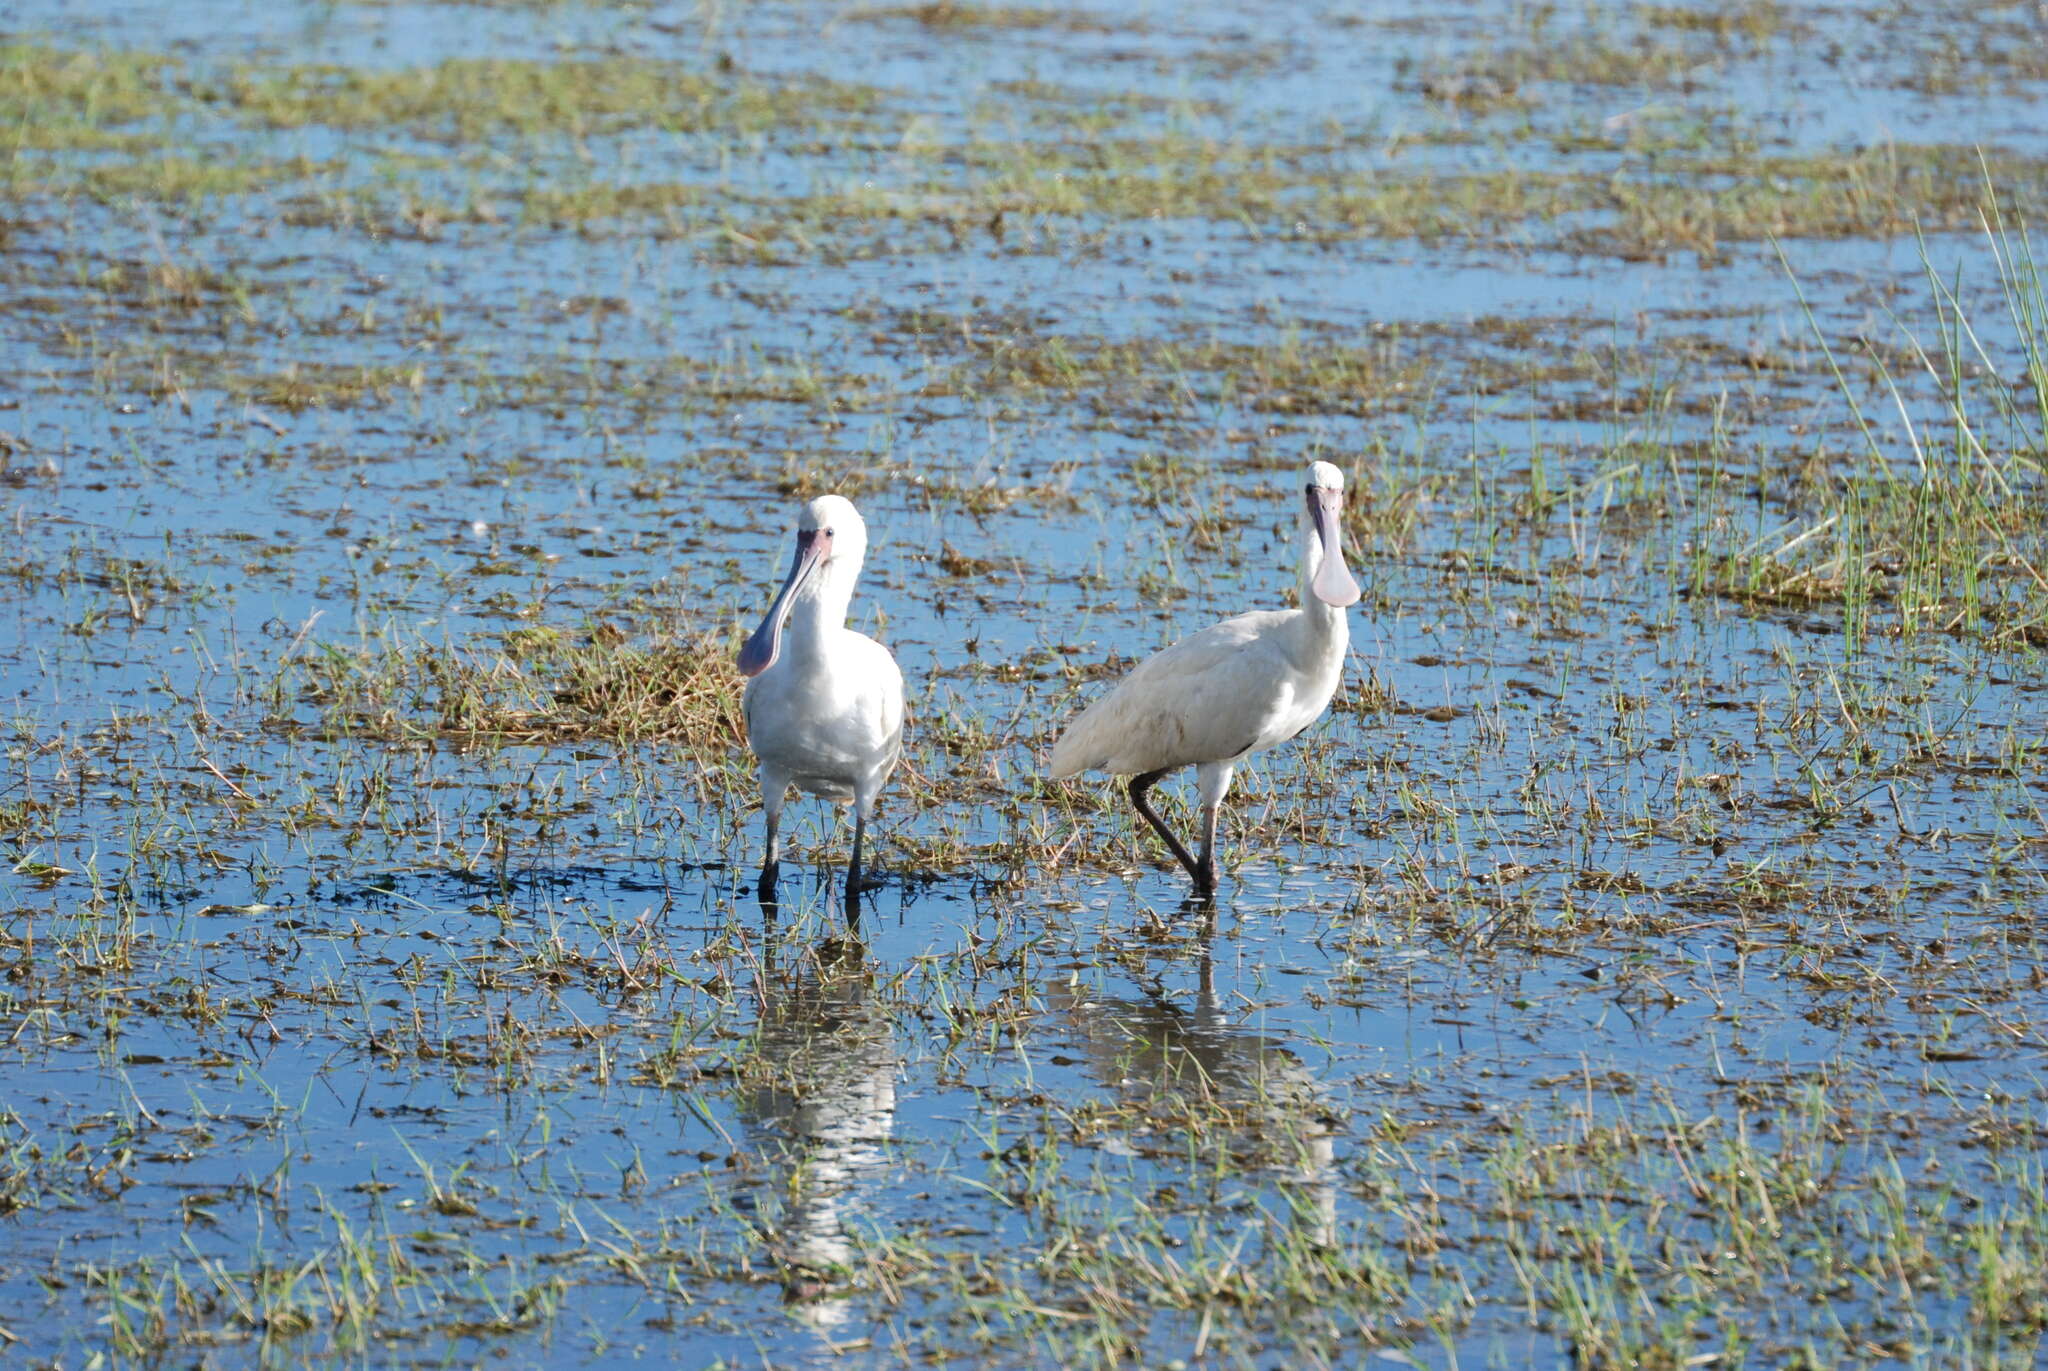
[818,1108]
[1190,1068]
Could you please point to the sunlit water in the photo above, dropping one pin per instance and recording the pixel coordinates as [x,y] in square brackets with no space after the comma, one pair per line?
[583,1099]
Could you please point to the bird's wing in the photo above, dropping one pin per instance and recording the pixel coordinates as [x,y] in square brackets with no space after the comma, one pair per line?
[1203,699]
[885,687]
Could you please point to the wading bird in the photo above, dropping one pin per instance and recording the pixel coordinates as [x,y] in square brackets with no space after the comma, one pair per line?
[1213,699]
[824,704]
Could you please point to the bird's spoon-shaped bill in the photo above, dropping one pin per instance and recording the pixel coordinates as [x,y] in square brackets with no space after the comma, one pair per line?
[764,645]
[1333,583]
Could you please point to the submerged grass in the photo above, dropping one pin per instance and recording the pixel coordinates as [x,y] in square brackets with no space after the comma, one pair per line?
[1891,189]
[952,16]
[52,99]
[1300,374]
[1012,195]
[1639,966]
[462,99]
[1115,168]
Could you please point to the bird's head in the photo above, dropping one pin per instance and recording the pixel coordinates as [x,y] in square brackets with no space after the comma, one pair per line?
[831,540]
[1330,581]
[831,523]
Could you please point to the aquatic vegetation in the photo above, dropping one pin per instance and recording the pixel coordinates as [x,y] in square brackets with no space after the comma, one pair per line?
[1639,965]
[458,99]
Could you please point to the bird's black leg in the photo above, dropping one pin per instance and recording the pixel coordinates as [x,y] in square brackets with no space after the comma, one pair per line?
[1206,878]
[772,795]
[853,878]
[1203,873]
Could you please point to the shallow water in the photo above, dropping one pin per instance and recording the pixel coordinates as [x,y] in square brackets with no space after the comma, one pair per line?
[1636,965]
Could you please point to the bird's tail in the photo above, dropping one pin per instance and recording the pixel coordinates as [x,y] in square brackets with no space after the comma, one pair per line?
[1073,753]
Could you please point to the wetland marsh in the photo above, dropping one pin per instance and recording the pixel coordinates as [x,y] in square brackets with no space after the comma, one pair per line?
[406,405]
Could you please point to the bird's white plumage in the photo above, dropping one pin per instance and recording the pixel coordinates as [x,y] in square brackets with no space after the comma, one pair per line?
[828,716]
[1236,688]
[824,704]
[1239,687]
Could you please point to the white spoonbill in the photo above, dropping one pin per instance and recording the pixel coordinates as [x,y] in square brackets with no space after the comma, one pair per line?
[824,704]
[1245,685]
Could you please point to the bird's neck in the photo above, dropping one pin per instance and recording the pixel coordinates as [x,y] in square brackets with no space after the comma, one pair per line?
[1328,626]
[820,612]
